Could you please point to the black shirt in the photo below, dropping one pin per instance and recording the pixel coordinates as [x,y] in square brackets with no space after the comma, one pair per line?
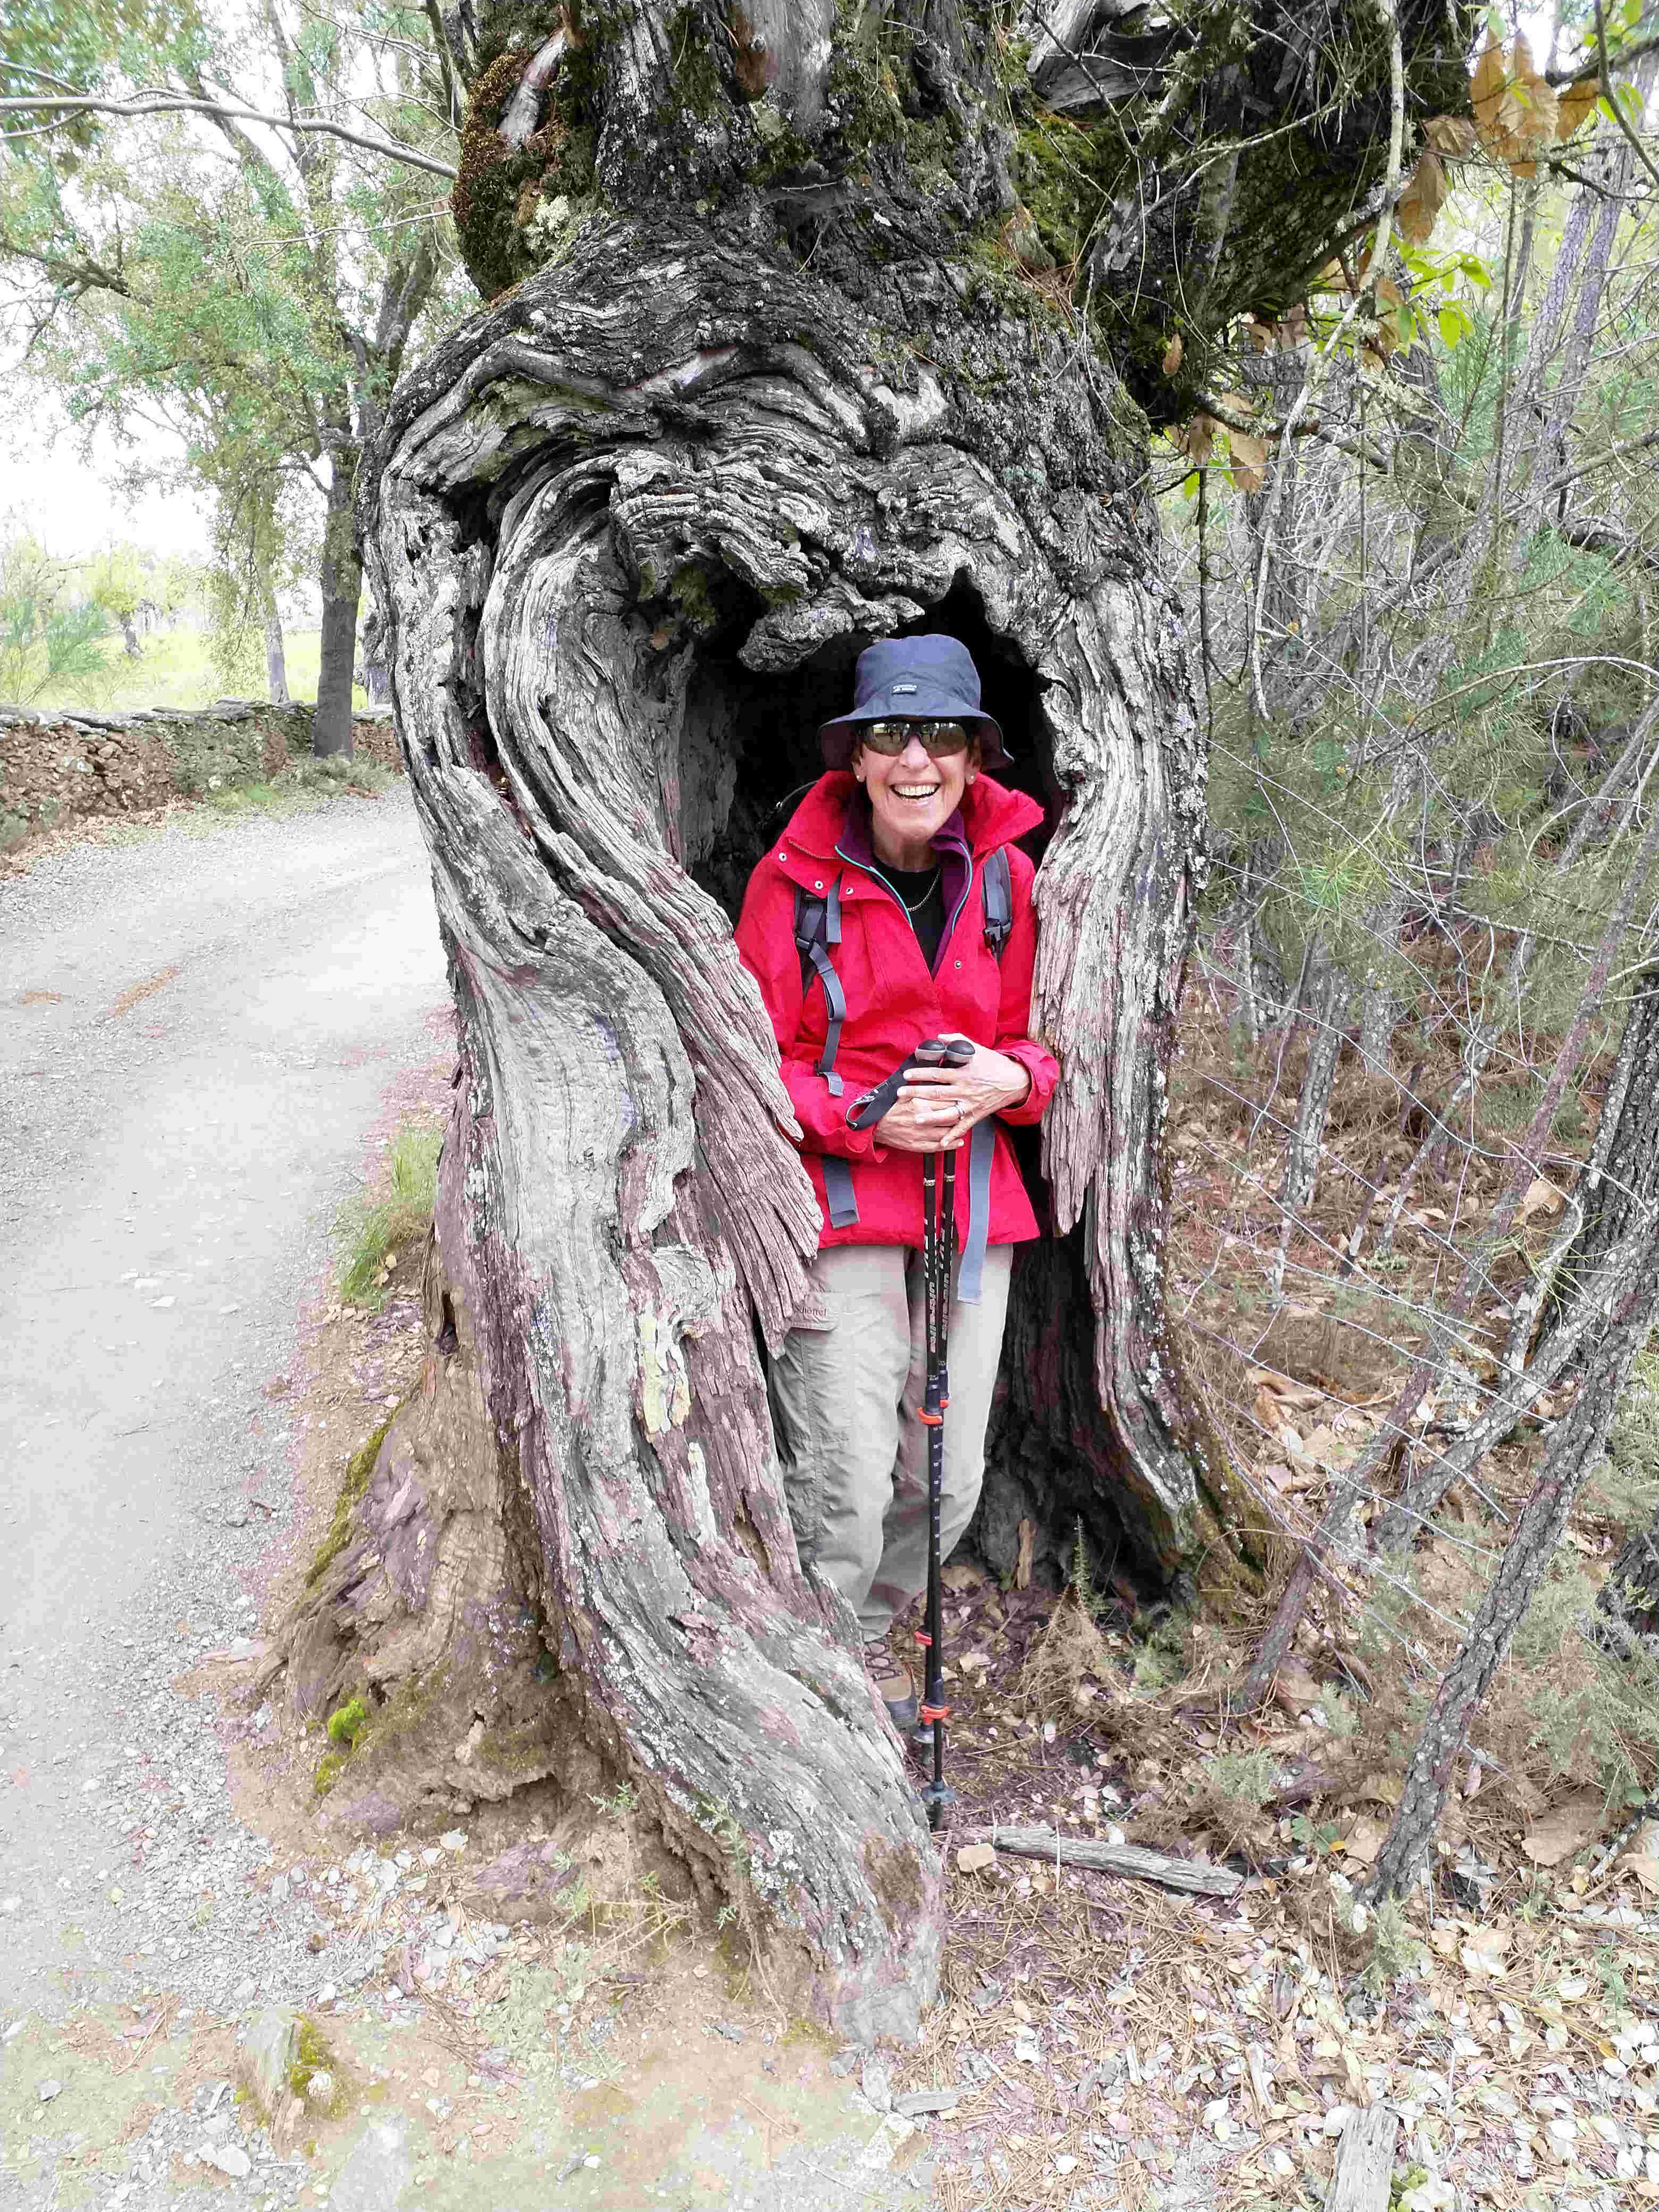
[920,892]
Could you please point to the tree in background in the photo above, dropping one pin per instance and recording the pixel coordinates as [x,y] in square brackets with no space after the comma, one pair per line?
[249,287]
[50,631]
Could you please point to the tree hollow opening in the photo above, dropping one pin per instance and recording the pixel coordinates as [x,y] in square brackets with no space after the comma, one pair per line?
[749,755]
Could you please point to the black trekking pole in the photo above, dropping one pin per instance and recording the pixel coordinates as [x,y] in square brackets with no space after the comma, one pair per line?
[938,1257]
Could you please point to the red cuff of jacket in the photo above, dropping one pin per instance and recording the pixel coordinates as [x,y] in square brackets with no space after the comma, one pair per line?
[1044,1070]
[823,1116]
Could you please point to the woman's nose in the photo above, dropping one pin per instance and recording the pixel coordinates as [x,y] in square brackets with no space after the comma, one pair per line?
[915,754]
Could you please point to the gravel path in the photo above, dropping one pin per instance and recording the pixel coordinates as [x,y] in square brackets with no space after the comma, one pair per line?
[198,1031]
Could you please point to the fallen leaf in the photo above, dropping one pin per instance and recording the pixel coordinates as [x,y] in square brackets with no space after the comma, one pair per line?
[974,1858]
[1365,1840]
[1381,1789]
[1565,1830]
[1479,1962]
[1294,1687]
[1645,1869]
[1542,1197]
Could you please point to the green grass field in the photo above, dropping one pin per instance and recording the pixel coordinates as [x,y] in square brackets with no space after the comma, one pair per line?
[174,669]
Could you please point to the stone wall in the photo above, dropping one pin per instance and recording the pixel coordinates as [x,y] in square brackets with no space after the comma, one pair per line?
[62,762]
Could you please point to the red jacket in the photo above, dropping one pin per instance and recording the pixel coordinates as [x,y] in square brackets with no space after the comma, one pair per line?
[892,1001]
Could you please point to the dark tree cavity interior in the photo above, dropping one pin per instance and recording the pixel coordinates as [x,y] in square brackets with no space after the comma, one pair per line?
[784,363]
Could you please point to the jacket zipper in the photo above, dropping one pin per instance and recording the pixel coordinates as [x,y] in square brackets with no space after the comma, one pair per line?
[951,925]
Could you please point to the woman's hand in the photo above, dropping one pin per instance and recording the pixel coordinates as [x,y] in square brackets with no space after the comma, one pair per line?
[940,1105]
[921,1125]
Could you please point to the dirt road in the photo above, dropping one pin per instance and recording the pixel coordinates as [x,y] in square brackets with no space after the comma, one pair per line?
[196,1030]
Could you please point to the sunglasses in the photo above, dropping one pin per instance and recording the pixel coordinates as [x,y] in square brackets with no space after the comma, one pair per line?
[938,739]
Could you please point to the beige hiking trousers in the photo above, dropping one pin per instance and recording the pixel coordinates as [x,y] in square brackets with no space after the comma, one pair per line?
[846,1388]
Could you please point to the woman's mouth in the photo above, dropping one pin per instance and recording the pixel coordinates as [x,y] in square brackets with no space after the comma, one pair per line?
[915,792]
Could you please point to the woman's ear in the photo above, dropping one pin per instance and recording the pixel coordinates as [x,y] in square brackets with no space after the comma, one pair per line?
[856,763]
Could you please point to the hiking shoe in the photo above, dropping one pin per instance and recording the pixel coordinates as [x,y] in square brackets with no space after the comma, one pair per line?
[898,1691]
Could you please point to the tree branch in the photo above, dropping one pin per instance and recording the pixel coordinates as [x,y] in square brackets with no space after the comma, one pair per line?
[168,103]
[1608,94]
[1310,427]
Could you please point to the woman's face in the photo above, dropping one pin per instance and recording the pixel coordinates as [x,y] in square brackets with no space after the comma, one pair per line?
[913,794]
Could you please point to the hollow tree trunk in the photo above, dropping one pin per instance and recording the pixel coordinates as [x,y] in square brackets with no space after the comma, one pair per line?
[765,380]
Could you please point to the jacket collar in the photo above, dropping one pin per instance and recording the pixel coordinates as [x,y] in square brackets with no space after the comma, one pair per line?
[835,810]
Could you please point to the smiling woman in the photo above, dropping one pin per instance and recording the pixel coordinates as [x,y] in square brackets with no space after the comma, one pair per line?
[934,934]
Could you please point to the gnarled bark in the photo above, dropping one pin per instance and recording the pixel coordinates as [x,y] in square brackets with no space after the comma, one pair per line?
[771,382]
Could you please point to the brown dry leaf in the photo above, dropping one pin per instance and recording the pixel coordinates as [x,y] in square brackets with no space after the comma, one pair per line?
[1574,105]
[963,1575]
[1538,97]
[1172,355]
[1515,111]
[1424,196]
[1483,1954]
[1323,1445]
[1645,1868]
[1268,1411]
[1542,1197]
[1381,1789]
[1248,455]
[1363,1840]
[1444,1941]
[1294,1687]
[1564,1829]
[974,1858]
[1450,134]
[1486,86]
[1200,438]
[1291,1394]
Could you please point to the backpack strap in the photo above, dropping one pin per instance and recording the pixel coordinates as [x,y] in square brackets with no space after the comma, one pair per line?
[996,884]
[818,926]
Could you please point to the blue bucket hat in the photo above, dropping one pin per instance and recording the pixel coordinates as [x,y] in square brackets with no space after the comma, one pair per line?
[932,678]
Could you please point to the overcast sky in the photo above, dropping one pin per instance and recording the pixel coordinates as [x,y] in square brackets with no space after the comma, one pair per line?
[68,503]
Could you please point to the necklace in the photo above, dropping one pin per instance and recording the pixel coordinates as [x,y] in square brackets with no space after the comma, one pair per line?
[913,911]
